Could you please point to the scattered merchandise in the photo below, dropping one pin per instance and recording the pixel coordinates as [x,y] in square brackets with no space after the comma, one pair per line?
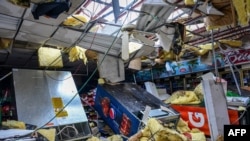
[238,101]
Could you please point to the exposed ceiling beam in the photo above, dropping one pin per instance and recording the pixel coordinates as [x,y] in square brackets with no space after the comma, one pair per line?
[132,7]
[121,7]
[116,9]
[101,11]
[228,33]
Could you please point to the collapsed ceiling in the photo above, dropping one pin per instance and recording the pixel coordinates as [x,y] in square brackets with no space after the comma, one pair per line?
[101,30]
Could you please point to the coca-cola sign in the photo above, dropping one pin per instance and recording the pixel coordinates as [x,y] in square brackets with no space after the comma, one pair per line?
[239,56]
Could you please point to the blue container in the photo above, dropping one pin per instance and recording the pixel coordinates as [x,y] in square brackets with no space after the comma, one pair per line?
[121,106]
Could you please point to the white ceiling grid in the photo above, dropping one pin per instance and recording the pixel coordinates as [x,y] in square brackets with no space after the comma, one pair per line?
[37,31]
[35,28]
[21,36]
[18,23]
[66,35]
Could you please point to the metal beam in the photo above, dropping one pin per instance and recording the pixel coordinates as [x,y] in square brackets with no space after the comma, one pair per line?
[101,12]
[130,5]
[110,4]
[123,8]
[220,35]
[116,9]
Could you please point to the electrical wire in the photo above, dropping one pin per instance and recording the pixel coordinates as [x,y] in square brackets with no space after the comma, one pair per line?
[79,39]
[83,86]
[68,49]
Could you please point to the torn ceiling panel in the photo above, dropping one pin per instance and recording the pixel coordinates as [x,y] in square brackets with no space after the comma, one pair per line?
[153,14]
[148,15]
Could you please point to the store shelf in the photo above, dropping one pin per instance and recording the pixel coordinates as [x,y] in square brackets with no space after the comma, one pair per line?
[178,83]
[192,82]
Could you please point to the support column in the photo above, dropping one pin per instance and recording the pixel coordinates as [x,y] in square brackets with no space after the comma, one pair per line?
[216,105]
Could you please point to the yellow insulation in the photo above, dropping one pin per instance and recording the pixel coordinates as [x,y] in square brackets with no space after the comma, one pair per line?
[197,51]
[241,10]
[248,7]
[217,21]
[183,97]
[208,46]
[14,124]
[182,126]
[189,2]
[5,43]
[50,57]
[77,53]
[232,43]
[197,135]
[115,138]
[93,138]
[155,131]
[50,134]
[75,20]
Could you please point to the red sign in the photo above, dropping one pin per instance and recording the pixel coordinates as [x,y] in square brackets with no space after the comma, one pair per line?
[197,117]
[239,56]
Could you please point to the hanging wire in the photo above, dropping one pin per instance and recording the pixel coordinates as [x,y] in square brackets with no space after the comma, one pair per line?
[82,87]
[68,49]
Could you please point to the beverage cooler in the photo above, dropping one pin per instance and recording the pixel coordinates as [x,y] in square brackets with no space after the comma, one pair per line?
[122,107]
